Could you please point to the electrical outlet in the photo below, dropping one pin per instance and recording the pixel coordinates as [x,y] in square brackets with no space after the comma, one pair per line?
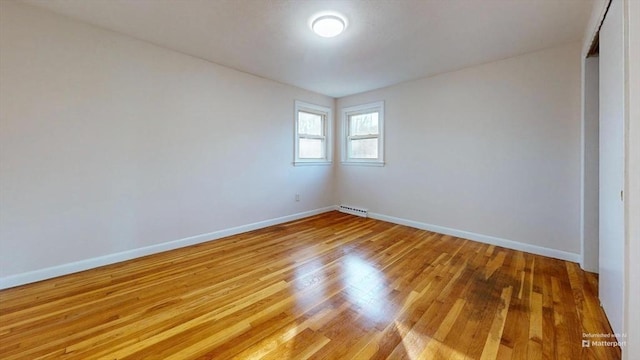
[297,197]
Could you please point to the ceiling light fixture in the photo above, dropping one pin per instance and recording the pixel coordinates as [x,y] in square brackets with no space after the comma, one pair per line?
[328,25]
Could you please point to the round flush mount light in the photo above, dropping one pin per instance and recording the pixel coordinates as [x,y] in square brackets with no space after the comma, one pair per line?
[328,25]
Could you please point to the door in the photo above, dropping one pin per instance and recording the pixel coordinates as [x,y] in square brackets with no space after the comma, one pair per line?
[611,259]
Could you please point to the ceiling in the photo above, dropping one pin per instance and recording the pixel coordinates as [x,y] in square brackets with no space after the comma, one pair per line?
[386,41]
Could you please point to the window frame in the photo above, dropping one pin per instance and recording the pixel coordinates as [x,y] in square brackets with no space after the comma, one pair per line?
[327,119]
[347,112]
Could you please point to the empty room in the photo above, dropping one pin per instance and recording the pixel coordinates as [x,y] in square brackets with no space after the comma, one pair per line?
[307,179]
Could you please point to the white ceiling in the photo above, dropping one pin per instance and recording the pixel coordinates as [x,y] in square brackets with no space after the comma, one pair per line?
[386,41]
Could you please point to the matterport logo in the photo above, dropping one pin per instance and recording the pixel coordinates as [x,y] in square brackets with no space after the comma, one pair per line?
[608,340]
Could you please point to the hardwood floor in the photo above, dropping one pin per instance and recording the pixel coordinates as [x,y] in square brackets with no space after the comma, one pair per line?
[333,286]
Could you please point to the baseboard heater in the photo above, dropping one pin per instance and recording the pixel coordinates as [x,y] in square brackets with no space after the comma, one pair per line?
[353,210]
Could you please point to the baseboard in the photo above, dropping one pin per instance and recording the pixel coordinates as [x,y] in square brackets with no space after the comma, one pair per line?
[69,268]
[492,240]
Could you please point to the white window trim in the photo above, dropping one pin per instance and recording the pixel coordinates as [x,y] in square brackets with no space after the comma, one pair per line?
[316,109]
[353,110]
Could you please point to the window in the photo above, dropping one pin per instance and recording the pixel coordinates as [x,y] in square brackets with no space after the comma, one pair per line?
[363,130]
[312,129]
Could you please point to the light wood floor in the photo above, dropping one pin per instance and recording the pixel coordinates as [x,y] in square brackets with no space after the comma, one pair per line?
[331,286]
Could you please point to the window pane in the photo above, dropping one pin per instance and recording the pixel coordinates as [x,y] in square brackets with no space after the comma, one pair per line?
[363,124]
[309,124]
[364,149]
[311,149]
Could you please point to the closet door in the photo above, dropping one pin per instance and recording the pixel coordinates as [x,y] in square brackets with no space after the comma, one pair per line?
[611,258]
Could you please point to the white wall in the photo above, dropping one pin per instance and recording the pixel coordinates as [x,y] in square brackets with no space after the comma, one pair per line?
[109,144]
[493,150]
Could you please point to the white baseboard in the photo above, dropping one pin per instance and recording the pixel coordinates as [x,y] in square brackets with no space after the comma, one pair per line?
[69,268]
[492,240]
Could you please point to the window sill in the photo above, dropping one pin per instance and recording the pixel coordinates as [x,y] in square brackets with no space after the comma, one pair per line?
[312,163]
[363,163]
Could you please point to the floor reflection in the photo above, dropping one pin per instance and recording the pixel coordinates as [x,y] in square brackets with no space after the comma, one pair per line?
[310,275]
[366,288]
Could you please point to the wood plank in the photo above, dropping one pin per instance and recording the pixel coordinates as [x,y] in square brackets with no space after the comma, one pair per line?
[449,320]
[495,332]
